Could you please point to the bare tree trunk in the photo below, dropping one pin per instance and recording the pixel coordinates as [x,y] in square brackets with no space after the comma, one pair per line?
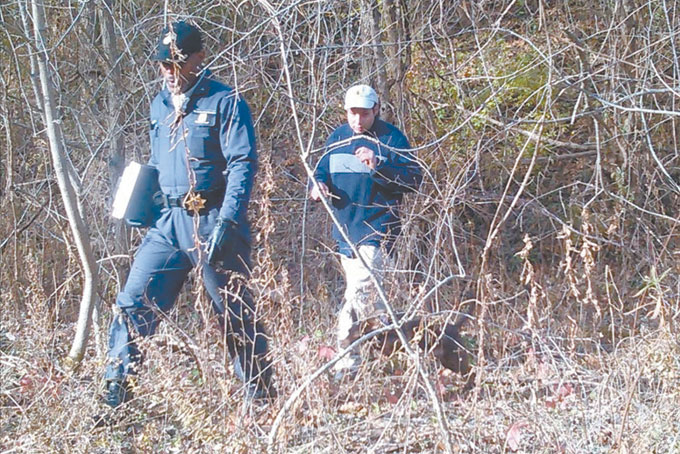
[365,30]
[397,56]
[116,161]
[68,193]
[113,84]
[374,69]
[392,26]
[32,60]
[9,143]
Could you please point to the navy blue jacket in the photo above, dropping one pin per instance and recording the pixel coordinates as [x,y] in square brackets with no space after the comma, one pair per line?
[213,145]
[368,199]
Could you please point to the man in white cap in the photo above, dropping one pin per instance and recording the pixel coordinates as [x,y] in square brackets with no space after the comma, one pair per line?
[364,173]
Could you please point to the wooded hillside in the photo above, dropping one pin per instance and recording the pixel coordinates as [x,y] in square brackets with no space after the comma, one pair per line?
[547,216]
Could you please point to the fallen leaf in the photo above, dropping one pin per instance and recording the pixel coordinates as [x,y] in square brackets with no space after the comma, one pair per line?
[514,435]
[564,390]
[560,393]
[326,352]
[27,384]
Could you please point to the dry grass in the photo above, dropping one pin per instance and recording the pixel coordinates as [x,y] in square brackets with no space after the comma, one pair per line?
[541,400]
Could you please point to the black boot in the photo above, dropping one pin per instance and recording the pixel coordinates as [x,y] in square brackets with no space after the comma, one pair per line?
[257,392]
[260,386]
[117,393]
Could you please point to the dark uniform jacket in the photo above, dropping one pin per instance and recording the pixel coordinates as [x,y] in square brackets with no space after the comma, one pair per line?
[368,199]
[214,145]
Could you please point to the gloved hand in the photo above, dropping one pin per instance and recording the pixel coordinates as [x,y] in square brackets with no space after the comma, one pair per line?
[219,237]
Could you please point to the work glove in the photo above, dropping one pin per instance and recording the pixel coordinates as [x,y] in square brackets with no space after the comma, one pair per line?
[221,234]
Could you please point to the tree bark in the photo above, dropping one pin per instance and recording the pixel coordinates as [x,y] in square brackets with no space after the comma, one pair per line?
[68,193]
[9,142]
[397,56]
[375,68]
[116,159]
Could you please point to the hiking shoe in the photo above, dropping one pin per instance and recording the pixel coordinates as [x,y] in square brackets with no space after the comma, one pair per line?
[117,393]
[257,392]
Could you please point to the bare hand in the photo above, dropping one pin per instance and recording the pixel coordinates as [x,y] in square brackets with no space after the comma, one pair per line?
[366,156]
[315,194]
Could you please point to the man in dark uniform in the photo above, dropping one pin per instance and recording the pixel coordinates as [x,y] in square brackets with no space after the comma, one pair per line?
[366,170]
[203,146]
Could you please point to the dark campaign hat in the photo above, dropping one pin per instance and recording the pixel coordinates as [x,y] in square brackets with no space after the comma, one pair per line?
[178,41]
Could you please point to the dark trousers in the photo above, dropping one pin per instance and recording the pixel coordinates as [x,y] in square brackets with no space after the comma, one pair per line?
[164,259]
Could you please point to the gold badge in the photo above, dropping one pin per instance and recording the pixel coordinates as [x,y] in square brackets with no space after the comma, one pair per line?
[194,202]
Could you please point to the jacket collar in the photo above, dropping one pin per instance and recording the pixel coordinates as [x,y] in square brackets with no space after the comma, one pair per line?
[373,132]
[199,88]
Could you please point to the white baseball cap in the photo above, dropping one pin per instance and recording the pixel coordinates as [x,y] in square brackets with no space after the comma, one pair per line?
[361,96]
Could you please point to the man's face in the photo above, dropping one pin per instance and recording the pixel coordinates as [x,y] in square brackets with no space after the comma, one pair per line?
[180,76]
[360,119]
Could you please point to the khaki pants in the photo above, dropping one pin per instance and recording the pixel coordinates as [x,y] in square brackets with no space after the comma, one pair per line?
[361,299]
